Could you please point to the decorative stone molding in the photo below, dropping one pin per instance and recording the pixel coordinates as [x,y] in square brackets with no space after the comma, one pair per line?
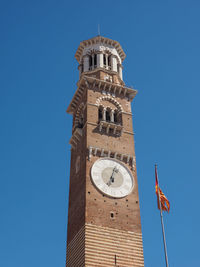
[92,83]
[109,126]
[78,114]
[92,52]
[102,152]
[76,136]
[110,87]
[101,41]
[110,99]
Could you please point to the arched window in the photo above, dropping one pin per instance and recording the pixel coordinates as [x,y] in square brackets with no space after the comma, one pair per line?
[100,113]
[80,122]
[115,116]
[79,117]
[119,118]
[107,115]
[92,61]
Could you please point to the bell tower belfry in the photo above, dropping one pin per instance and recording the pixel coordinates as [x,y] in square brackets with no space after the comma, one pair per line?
[104,227]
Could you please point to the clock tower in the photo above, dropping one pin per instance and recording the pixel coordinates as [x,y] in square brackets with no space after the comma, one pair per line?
[104,227]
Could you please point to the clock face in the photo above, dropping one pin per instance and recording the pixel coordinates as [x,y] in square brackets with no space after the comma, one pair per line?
[112,178]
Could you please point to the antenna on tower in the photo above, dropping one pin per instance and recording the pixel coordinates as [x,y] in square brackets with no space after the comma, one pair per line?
[98,30]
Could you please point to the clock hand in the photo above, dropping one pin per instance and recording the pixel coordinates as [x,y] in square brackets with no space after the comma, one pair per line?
[115,170]
[112,179]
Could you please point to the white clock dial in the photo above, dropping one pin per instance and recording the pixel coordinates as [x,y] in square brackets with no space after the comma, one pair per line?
[112,178]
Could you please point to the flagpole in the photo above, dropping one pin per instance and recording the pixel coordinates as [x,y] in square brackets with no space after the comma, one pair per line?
[162,223]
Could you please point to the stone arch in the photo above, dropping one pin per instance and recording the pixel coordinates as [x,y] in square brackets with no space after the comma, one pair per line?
[109,99]
[79,116]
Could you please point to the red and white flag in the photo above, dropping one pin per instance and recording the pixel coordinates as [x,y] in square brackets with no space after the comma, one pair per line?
[164,202]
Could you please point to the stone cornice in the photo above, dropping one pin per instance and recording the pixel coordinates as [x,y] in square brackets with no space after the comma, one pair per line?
[91,83]
[104,152]
[108,71]
[101,40]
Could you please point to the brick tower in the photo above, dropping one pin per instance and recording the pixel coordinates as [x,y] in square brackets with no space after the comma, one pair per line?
[104,226]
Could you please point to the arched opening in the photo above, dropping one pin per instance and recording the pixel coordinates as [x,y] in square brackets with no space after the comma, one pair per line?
[79,117]
[115,116]
[119,118]
[80,122]
[100,114]
[107,115]
[92,61]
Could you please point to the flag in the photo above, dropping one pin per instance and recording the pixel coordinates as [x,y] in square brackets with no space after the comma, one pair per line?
[164,202]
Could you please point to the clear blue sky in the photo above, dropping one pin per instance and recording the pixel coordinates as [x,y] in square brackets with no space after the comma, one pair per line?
[38,79]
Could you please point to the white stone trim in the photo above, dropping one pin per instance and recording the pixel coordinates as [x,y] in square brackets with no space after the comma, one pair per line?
[103,152]
[110,99]
[117,128]
[99,41]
